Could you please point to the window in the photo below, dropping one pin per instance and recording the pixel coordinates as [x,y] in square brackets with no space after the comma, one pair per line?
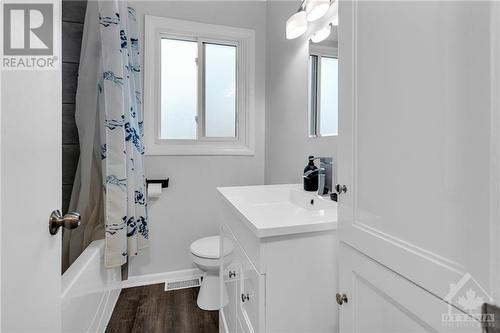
[182,117]
[199,84]
[323,92]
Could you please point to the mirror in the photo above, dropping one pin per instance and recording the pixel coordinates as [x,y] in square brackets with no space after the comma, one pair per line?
[323,77]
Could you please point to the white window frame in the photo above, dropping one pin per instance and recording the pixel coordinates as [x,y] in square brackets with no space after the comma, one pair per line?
[244,40]
[327,52]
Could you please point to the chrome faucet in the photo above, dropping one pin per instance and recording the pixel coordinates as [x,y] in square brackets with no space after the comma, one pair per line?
[325,175]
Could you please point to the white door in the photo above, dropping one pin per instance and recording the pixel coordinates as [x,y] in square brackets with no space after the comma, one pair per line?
[30,155]
[414,153]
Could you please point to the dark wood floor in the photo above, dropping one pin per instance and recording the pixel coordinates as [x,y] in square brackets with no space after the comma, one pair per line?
[151,309]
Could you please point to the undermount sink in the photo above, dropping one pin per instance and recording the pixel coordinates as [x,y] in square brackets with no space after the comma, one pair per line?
[274,210]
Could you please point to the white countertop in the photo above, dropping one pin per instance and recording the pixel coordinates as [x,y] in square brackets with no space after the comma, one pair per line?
[276,210]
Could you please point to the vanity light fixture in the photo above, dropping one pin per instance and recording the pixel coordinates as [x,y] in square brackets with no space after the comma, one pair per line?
[316,9]
[321,34]
[309,11]
[296,25]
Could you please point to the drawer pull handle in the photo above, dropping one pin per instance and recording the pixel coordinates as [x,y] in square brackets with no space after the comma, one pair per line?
[341,299]
[232,274]
[245,297]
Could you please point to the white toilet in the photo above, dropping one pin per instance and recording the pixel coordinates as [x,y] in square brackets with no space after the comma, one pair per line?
[206,255]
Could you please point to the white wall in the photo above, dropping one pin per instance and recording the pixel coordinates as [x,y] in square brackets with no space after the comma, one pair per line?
[287,141]
[188,209]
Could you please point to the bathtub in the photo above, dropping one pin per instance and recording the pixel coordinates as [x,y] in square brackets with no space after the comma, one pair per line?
[89,291]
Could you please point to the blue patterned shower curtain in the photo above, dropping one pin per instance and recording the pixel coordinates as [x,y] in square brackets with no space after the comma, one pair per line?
[109,116]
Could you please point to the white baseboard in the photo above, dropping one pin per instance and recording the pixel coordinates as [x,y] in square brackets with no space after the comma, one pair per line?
[147,279]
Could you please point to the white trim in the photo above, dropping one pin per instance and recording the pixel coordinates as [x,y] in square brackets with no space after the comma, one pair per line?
[147,279]
[155,27]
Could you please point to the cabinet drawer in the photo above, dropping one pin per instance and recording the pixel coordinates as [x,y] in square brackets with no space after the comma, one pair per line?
[246,238]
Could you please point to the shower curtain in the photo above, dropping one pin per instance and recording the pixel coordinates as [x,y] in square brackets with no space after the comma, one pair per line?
[109,189]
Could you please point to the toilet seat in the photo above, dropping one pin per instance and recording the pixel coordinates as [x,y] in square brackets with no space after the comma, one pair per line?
[209,247]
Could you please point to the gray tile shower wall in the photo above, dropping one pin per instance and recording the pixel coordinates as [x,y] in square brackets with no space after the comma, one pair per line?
[73,16]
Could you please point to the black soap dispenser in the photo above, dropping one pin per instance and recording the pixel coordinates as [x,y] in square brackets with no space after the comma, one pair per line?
[310,176]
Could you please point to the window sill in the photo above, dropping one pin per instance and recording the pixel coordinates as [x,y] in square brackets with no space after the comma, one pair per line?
[206,149]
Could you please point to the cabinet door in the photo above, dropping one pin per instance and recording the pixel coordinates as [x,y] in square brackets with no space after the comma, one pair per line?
[231,281]
[246,288]
[379,300]
[414,142]
[251,309]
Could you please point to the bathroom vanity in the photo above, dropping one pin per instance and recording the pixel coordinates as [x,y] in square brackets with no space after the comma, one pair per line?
[283,274]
